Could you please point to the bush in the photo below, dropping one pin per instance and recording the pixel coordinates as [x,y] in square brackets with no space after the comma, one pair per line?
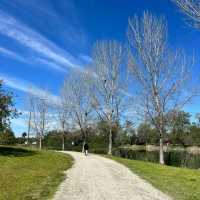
[99,151]
[52,141]
[7,138]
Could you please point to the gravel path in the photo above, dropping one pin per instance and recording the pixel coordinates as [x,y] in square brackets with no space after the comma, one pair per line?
[97,178]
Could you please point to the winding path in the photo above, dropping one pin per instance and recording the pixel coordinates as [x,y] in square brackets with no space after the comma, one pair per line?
[98,178]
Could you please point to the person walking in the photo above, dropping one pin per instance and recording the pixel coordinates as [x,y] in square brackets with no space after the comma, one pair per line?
[86,147]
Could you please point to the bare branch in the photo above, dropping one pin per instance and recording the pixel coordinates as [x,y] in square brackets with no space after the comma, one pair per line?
[162,74]
[109,82]
[191,8]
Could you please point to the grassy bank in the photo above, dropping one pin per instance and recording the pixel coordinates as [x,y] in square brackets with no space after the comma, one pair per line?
[28,174]
[182,184]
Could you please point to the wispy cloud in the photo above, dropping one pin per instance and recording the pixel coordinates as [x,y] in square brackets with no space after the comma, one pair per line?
[87,59]
[34,61]
[11,54]
[50,64]
[63,15]
[27,87]
[31,39]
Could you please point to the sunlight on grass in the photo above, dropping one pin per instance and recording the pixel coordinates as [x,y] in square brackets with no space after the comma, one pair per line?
[31,174]
[180,183]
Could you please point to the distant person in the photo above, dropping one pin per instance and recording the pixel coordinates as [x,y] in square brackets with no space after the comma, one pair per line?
[86,147]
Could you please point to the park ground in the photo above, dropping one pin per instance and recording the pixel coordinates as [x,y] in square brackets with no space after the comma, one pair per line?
[179,183]
[27,174]
[95,177]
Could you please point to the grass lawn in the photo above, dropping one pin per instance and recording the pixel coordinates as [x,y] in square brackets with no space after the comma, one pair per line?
[180,183]
[26,174]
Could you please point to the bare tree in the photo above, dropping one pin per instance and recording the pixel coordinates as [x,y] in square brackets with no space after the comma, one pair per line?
[161,74]
[77,100]
[40,117]
[191,8]
[109,83]
[30,109]
[63,118]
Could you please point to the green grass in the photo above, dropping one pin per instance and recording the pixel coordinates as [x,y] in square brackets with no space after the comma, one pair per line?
[179,183]
[28,175]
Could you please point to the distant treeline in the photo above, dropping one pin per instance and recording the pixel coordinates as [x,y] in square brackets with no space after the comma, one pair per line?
[180,132]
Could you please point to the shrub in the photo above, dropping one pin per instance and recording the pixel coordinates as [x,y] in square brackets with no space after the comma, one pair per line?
[99,151]
[7,138]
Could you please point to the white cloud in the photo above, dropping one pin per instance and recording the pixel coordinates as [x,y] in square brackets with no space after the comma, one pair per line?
[10,54]
[32,60]
[27,87]
[50,64]
[19,32]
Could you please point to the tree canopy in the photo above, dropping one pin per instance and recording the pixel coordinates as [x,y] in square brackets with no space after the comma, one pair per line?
[7,109]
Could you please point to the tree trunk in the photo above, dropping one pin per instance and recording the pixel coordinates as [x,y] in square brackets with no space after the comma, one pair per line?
[29,128]
[63,142]
[161,155]
[63,135]
[40,143]
[28,139]
[83,145]
[110,142]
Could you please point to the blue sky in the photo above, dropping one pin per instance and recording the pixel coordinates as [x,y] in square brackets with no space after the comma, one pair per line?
[41,40]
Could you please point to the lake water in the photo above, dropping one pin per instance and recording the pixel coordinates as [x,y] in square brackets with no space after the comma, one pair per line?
[172,158]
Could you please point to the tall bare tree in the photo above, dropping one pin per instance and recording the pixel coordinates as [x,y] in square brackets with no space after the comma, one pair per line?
[109,83]
[40,117]
[191,8]
[77,100]
[63,118]
[161,74]
[30,110]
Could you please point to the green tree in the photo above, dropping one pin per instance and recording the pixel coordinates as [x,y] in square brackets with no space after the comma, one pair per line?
[24,134]
[193,137]
[7,112]
[181,122]
[7,137]
[179,126]
[143,132]
[146,134]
